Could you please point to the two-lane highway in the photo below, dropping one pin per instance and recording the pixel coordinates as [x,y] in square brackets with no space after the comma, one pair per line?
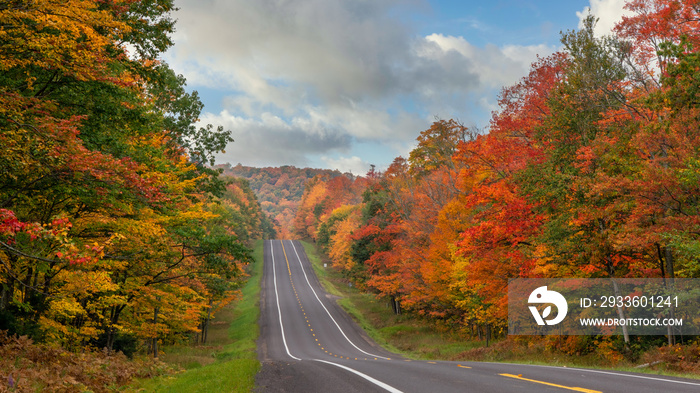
[309,344]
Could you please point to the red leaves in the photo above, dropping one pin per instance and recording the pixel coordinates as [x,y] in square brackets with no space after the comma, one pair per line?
[590,168]
[9,224]
[55,233]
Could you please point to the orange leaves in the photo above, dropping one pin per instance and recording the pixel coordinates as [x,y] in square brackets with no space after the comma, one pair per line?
[341,242]
[590,168]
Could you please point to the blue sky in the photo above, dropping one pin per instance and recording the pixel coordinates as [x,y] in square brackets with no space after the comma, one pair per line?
[343,84]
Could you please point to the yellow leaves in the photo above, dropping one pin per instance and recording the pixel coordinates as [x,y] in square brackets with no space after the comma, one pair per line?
[65,308]
[341,241]
[54,330]
[59,35]
[87,282]
[196,212]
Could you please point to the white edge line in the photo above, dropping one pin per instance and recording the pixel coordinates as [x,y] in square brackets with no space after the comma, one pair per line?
[277,297]
[328,312]
[635,376]
[381,384]
[365,376]
[606,372]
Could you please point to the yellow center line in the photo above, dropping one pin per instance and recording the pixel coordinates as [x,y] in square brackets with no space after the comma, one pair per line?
[289,270]
[551,384]
[459,365]
[287,260]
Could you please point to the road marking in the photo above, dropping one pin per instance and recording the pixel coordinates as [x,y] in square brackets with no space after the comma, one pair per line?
[284,339]
[365,376]
[322,305]
[432,362]
[459,365]
[551,384]
[617,374]
[277,297]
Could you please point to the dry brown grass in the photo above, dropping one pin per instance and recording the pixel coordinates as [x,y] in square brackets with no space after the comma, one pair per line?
[29,367]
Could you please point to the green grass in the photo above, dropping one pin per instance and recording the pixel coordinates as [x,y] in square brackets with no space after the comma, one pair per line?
[229,362]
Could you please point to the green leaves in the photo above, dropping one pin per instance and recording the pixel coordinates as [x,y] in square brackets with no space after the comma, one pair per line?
[107,208]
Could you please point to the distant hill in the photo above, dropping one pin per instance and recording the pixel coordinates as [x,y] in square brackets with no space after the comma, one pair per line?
[279,189]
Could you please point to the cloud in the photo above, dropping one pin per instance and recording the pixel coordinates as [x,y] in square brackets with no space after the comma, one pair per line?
[270,140]
[608,12]
[492,66]
[353,164]
[333,50]
[307,78]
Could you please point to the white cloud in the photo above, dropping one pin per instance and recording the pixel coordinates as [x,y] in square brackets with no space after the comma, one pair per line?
[494,66]
[608,12]
[271,140]
[353,164]
[311,77]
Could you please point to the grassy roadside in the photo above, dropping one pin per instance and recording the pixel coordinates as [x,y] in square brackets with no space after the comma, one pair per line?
[406,335]
[229,362]
[421,339]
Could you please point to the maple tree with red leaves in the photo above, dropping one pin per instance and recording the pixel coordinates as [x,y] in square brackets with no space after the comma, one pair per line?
[589,169]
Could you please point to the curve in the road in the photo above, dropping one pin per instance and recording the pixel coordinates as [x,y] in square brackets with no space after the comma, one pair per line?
[334,354]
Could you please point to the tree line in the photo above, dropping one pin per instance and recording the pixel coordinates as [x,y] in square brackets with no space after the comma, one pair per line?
[590,168]
[114,230]
[279,190]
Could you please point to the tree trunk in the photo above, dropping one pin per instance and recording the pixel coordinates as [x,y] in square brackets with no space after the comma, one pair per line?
[6,292]
[155,337]
[205,325]
[395,305]
[670,284]
[111,330]
[620,312]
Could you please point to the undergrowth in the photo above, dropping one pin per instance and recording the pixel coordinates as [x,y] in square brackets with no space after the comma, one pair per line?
[227,363]
[26,366]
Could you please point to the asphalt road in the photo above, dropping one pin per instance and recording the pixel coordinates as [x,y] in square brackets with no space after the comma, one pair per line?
[309,344]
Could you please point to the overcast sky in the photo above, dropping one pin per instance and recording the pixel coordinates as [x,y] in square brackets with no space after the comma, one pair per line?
[343,84]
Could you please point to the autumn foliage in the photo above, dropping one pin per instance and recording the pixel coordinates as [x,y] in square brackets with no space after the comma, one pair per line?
[279,190]
[590,168]
[114,231]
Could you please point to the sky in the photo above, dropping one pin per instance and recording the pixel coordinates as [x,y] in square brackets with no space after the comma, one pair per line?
[342,84]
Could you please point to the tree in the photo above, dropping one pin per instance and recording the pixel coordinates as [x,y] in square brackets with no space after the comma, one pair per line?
[108,211]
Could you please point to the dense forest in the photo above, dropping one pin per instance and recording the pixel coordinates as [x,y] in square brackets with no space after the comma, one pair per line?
[115,232]
[279,190]
[590,168]
[119,232]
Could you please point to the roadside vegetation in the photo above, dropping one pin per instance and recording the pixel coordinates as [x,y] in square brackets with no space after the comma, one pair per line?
[422,338]
[228,362]
[117,237]
[590,168]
